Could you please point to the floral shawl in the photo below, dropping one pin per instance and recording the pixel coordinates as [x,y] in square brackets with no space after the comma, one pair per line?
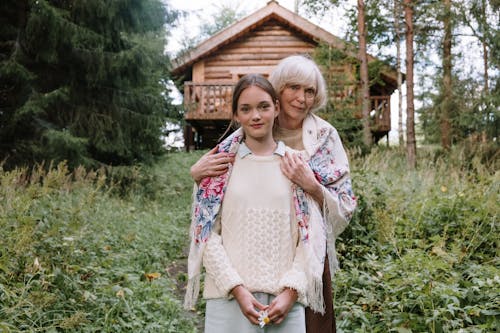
[328,160]
[210,193]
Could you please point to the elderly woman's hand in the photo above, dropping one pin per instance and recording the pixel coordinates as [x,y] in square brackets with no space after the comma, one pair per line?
[299,172]
[211,164]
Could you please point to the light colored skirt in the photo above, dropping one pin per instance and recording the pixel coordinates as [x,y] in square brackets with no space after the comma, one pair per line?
[224,316]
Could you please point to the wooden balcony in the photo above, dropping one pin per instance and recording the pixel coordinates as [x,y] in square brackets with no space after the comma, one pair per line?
[208,101]
[211,102]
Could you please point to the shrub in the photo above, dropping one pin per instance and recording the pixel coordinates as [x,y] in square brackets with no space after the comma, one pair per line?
[421,253]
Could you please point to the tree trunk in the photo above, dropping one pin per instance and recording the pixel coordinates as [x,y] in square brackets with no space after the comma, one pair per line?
[485,51]
[397,31]
[411,144]
[365,84]
[447,88]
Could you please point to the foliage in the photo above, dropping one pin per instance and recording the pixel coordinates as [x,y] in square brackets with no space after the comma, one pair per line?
[225,15]
[475,108]
[476,114]
[341,73]
[378,16]
[474,102]
[76,256]
[341,112]
[421,254]
[82,81]
[480,17]
[81,253]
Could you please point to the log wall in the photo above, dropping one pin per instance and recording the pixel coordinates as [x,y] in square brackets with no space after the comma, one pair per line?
[258,52]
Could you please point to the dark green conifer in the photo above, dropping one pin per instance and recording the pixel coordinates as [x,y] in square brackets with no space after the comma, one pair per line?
[82,80]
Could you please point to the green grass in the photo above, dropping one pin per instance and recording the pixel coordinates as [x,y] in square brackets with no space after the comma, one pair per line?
[79,250]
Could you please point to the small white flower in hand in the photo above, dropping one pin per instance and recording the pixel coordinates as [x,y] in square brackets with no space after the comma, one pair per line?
[263,319]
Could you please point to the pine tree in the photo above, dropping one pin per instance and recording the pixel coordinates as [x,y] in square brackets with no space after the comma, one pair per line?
[411,143]
[447,105]
[82,80]
[363,69]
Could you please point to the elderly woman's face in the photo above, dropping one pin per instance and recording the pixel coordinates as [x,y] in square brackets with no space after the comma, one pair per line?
[296,101]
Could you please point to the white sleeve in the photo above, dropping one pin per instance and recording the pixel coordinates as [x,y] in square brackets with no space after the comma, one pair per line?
[217,263]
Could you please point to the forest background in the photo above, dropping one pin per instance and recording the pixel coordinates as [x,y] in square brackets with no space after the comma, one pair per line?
[94,211]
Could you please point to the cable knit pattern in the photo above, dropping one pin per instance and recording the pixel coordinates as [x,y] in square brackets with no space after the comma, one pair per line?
[218,266]
[256,241]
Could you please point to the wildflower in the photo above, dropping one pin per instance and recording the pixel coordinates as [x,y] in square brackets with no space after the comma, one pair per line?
[120,293]
[152,276]
[263,319]
[36,265]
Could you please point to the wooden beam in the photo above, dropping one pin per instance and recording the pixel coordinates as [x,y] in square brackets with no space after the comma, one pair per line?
[199,72]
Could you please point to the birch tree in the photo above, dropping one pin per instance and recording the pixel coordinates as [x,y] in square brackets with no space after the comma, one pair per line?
[397,37]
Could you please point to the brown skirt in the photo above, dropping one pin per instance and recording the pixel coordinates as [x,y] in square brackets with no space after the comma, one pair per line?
[316,322]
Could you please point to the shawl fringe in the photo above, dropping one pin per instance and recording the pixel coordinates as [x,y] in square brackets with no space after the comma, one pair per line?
[315,297]
[194,263]
[333,262]
[315,258]
[192,292]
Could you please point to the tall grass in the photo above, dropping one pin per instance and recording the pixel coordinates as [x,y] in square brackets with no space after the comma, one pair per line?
[105,251]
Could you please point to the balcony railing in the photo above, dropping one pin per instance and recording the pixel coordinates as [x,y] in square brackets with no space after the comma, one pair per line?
[212,101]
[208,100]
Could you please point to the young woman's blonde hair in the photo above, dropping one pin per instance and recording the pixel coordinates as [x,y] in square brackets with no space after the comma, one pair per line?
[301,70]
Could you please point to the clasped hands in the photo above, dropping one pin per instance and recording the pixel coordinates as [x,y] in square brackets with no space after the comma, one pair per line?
[277,310]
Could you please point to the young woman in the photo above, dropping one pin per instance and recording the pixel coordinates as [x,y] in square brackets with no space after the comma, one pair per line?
[250,233]
[323,172]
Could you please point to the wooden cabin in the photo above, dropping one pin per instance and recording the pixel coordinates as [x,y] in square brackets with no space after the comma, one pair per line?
[255,44]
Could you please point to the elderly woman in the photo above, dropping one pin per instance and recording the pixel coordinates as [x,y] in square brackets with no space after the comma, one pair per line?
[321,167]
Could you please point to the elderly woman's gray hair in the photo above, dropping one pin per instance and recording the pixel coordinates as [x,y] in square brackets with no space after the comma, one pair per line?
[300,70]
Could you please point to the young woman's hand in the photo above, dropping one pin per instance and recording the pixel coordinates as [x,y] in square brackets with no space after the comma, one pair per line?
[211,164]
[281,305]
[248,304]
[299,172]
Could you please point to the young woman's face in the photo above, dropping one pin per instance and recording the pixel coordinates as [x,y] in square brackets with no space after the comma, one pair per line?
[256,112]
[296,101]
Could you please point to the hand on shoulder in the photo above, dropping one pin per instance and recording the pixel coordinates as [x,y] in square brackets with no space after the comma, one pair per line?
[211,164]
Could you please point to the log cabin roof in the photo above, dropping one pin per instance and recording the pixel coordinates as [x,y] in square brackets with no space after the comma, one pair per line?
[272,11]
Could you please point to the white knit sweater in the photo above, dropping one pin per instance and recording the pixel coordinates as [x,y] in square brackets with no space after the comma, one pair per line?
[255,242]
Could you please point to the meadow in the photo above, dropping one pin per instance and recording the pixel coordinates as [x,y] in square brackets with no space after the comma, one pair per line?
[105,250]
